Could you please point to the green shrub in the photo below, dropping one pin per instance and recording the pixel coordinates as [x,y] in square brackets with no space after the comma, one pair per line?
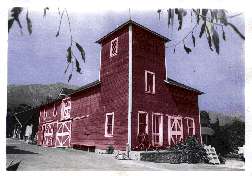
[192,151]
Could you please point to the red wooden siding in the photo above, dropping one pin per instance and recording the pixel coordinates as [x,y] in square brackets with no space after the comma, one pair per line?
[114,89]
[87,121]
[149,54]
[89,106]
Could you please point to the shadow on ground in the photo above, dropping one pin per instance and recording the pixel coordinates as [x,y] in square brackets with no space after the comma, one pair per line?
[14,150]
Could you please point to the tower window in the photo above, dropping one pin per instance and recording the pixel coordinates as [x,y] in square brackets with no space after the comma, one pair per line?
[114,47]
[149,82]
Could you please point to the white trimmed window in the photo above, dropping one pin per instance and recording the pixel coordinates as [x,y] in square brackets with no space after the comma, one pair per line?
[157,129]
[190,126]
[142,122]
[54,111]
[65,108]
[114,47]
[109,125]
[149,82]
[45,113]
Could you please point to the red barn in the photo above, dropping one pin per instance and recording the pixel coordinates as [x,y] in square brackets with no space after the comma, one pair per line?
[132,98]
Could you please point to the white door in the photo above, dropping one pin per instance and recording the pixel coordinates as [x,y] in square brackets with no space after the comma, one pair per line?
[63,135]
[175,129]
[48,134]
[157,129]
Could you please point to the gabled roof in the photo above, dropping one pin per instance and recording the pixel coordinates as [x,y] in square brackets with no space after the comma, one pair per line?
[92,84]
[131,22]
[66,91]
[183,86]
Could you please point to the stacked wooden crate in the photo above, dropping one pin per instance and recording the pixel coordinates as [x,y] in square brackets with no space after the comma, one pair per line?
[211,154]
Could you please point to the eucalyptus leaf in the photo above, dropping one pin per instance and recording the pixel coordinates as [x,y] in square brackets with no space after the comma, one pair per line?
[69,77]
[77,64]
[188,50]
[81,50]
[209,38]
[216,41]
[45,9]
[202,30]
[69,54]
[193,39]
[29,23]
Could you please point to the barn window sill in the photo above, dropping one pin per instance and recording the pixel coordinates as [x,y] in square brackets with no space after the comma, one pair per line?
[151,93]
[108,136]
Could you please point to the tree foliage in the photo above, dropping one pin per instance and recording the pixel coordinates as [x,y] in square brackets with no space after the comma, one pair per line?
[209,21]
[229,137]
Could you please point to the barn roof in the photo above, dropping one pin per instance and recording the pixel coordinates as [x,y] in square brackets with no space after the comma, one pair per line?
[92,84]
[183,86]
[71,92]
[131,22]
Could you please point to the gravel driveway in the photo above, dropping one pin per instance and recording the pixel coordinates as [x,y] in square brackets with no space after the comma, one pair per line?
[37,158]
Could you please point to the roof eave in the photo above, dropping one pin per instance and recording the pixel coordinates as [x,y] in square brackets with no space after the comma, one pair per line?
[191,89]
[134,23]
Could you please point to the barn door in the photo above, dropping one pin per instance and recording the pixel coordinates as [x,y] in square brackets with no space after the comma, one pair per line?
[63,135]
[48,129]
[175,130]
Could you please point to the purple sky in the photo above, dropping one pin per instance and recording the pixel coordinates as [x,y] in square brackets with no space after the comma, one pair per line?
[40,58]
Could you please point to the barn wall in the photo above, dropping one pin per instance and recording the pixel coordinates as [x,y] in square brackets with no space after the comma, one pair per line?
[114,88]
[149,54]
[86,119]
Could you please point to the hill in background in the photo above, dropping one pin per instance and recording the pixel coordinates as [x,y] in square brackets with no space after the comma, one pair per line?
[33,94]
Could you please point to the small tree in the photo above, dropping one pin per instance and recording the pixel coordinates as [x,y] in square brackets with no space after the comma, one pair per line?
[229,137]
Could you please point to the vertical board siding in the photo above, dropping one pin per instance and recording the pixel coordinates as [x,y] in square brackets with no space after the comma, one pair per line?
[114,88]
[149,54]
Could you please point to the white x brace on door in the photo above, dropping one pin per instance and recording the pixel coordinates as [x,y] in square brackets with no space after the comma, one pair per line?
[175,129]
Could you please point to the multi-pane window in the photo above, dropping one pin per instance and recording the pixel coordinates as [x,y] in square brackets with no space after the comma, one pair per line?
[142,122]
[157,129]
[114,47]
[149,82]
[190,127]
[109,125]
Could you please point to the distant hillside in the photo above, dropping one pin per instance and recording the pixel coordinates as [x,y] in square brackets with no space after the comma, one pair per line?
[225,118]
[33,94]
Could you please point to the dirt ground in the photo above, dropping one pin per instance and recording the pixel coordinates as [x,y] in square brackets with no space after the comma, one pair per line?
[36,158]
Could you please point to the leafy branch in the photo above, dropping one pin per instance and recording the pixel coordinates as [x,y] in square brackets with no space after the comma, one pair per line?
[71,57]
[210,19]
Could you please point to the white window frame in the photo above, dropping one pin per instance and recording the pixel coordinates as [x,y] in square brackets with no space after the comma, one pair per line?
[54,110]
[106,123]
[45,113]
[146,121]
[160,130]
[146,82]
[111,54]
[189,118]
[63,108]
